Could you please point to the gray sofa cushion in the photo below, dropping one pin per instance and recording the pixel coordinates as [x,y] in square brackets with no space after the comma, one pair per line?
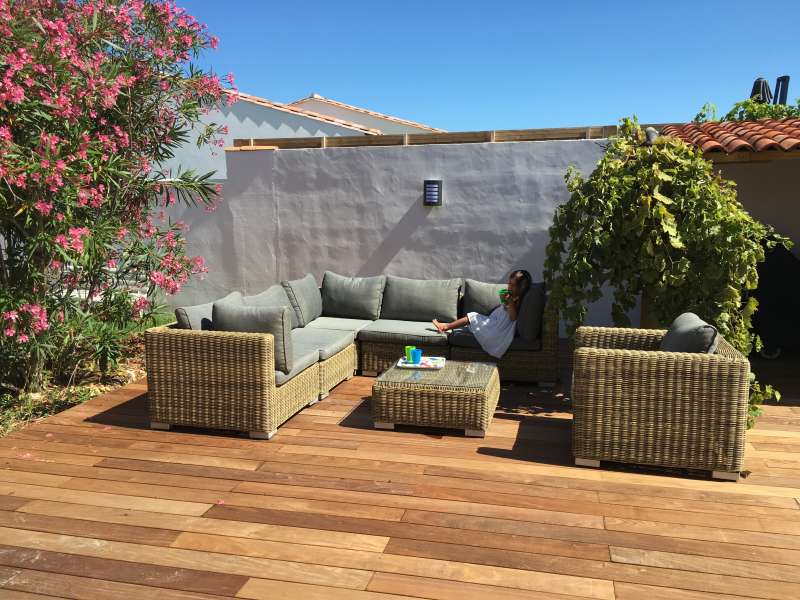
[354,325]
[274,295]
[302,358]
[689,333]
[199,316]
[463,338]
[326,341]
[531,313]
[388,331]
[305,298]
[420,299]
[259,319]
[352,297]
[481,297]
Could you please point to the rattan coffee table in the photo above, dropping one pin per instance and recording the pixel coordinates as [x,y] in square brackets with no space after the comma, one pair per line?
[462,395]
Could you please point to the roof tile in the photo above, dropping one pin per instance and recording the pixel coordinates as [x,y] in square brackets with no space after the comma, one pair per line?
[740,136]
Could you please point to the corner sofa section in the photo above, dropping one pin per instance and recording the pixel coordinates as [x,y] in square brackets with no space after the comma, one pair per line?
[254,382]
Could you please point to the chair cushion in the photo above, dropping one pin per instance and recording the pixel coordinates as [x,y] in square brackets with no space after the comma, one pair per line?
[352,297]
[463,338]
[389,331]
[531,313]
[354,325]
[305,298]
[259,319]
[326,341]
[198,317]
[689,333]
[420,299]
[302,358]
[274,295]
[481,297]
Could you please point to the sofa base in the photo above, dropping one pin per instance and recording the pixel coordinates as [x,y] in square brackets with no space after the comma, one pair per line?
[524,366]
[725,475]
[161,426]
[262,435]
[337,368]
[587,462]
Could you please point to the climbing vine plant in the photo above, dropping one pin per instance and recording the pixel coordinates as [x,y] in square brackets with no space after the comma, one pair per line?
[655,220]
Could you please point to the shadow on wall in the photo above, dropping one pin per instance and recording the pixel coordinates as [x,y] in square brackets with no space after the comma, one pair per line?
[397,239]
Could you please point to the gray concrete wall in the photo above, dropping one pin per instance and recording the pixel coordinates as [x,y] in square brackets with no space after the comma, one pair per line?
[359,211]
[770,191]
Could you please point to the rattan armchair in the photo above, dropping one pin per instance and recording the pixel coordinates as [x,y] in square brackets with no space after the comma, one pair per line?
[635,404]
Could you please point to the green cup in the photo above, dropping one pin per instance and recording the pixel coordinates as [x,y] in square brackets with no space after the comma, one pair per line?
[503,293]
[409,353]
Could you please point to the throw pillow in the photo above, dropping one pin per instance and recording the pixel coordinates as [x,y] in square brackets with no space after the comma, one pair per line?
[198,317]
[420,299]
[481,297]
[259,319]
[531,313]
[305,297]
[273,296]
[352,297]
[689,333]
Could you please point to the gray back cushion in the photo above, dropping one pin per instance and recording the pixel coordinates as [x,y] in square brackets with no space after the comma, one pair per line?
[259,319]
[305,298]
[420,300]
[273,296]
[352,297]
[531,313]
[199,316]
[481,297]
[689,333]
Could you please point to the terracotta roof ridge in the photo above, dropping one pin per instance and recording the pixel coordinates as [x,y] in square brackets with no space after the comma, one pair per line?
[305,113]
[368,112]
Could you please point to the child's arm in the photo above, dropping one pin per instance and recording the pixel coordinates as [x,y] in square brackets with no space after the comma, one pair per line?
[512,308]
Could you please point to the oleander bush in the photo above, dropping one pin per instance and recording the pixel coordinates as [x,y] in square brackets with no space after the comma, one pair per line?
[94,95]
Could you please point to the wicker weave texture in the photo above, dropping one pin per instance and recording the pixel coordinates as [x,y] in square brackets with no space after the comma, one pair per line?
[648,407]
[219,380]
[337,368]
[449,406]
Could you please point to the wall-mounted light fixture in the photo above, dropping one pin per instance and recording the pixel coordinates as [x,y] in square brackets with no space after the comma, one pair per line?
[432,192]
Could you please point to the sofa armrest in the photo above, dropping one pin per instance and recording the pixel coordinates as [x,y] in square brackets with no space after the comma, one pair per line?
[550,325]
[621,338]
[216,379]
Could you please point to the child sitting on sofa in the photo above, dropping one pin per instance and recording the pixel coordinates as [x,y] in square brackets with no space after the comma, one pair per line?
[495,332]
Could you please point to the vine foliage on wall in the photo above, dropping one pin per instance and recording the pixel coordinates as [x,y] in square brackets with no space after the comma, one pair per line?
[655,220]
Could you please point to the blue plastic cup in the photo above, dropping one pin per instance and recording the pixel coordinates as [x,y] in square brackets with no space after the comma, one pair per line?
[416,355]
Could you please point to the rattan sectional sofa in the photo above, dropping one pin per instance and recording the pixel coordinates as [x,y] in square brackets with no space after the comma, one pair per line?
[314,337]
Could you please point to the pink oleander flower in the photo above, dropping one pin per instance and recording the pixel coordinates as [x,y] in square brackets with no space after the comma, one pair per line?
[22,338]
[9,332]
[11,315]
[43,207]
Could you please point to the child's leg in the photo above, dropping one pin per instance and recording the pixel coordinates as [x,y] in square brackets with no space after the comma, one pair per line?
[452,325]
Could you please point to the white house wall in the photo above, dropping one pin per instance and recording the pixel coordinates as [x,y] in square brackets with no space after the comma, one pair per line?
[247,120]
[387,126]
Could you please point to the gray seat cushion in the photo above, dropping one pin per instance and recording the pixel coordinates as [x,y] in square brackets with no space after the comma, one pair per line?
[689,333]
[352,297]
[339,323]
[326,341]
[274,295]
[481,297]
[259,319]
[389,331]
[531,313]
[463,338]
[198,317]
[305,298]
[302,358]
[420,299]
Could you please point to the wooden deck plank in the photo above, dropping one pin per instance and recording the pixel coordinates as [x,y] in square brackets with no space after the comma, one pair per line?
[94,504]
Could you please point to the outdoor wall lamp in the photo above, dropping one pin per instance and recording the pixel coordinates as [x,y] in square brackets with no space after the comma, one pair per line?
[432,192]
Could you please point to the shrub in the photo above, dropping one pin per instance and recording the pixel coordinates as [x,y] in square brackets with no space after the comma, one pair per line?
[657,221]
[94,95]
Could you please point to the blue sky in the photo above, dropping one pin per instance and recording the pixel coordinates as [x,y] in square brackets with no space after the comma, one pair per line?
[484,65]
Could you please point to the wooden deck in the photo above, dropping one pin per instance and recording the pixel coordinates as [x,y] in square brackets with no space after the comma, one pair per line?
[95,506]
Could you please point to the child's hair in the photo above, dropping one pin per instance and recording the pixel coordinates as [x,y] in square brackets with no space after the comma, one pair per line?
[522,279]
